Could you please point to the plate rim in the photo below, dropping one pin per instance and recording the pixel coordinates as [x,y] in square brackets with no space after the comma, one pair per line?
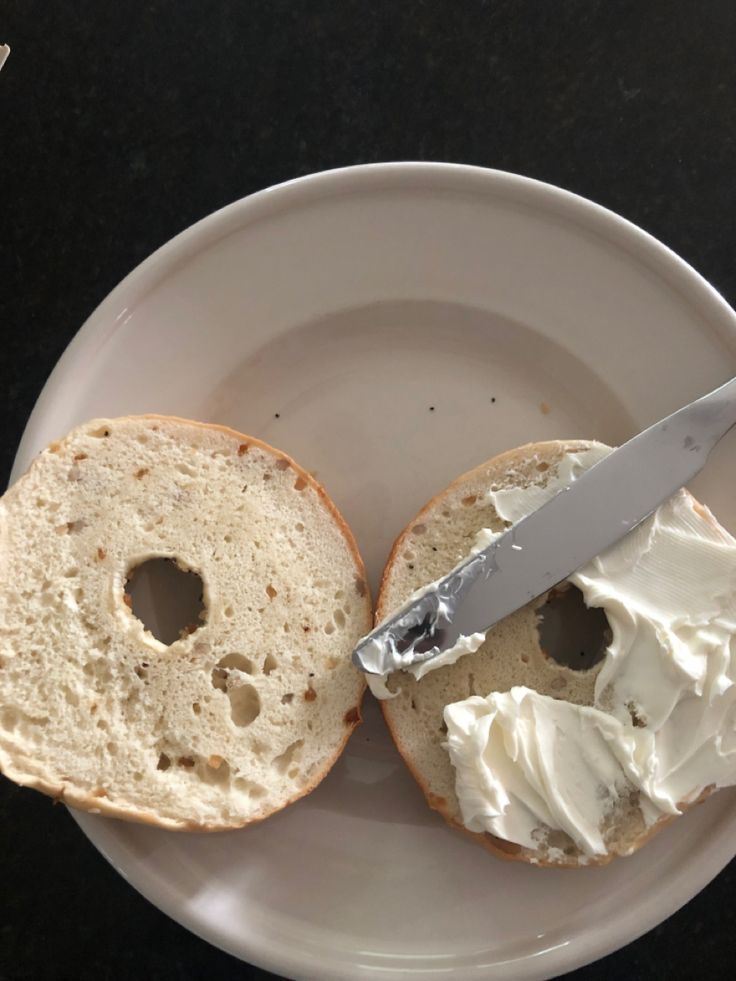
[112,314]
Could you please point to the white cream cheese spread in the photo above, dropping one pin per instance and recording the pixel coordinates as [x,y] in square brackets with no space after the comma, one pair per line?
[465,644]
[664,720]
[664,714]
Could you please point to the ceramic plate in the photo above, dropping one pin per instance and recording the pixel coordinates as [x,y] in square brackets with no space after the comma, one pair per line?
[392,326]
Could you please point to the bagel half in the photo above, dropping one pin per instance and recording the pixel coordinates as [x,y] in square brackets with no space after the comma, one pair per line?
[232,721]
[441,535]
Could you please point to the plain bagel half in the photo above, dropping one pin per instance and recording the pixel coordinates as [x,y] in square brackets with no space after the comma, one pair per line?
[230,722]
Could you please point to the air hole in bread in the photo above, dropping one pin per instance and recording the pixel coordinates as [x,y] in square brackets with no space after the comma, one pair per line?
[166,597]
[245,704]
[101,433]
[9,719]
[228,612]
[290,755]
[300,483]
[217,770]
[270,664]
[237,661]
[288,698]
[542,466]
[299,526]
[329,628]
[271,592]
[339,618]
[250,788]
[570,633]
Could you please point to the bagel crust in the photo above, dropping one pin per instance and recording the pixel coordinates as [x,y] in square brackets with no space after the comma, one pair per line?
[433,542]
[243,714]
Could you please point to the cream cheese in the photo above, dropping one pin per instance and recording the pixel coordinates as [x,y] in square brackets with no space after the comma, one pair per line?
[465,644]
[664,714]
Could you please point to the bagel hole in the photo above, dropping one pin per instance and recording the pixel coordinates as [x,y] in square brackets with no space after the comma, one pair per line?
[166,598]
[570,633]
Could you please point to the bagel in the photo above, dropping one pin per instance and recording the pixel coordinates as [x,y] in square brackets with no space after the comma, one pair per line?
[435,716]
[250,707]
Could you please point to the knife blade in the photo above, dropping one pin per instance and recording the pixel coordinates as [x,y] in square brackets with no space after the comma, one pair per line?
[594,512]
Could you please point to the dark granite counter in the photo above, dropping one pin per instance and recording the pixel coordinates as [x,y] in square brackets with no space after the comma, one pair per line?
[124,122]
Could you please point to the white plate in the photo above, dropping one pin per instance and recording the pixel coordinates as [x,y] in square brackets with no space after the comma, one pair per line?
[349,303]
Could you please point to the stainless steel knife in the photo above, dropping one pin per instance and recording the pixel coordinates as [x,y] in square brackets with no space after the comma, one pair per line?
[581,521]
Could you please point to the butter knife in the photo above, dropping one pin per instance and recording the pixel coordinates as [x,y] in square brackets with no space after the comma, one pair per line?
[594,512]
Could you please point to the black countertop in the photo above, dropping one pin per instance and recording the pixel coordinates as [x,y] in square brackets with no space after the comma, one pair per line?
[124,122]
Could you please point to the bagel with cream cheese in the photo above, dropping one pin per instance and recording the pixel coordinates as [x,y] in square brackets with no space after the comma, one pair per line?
[536,759]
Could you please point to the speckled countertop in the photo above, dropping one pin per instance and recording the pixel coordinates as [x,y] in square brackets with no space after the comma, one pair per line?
[124,122]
